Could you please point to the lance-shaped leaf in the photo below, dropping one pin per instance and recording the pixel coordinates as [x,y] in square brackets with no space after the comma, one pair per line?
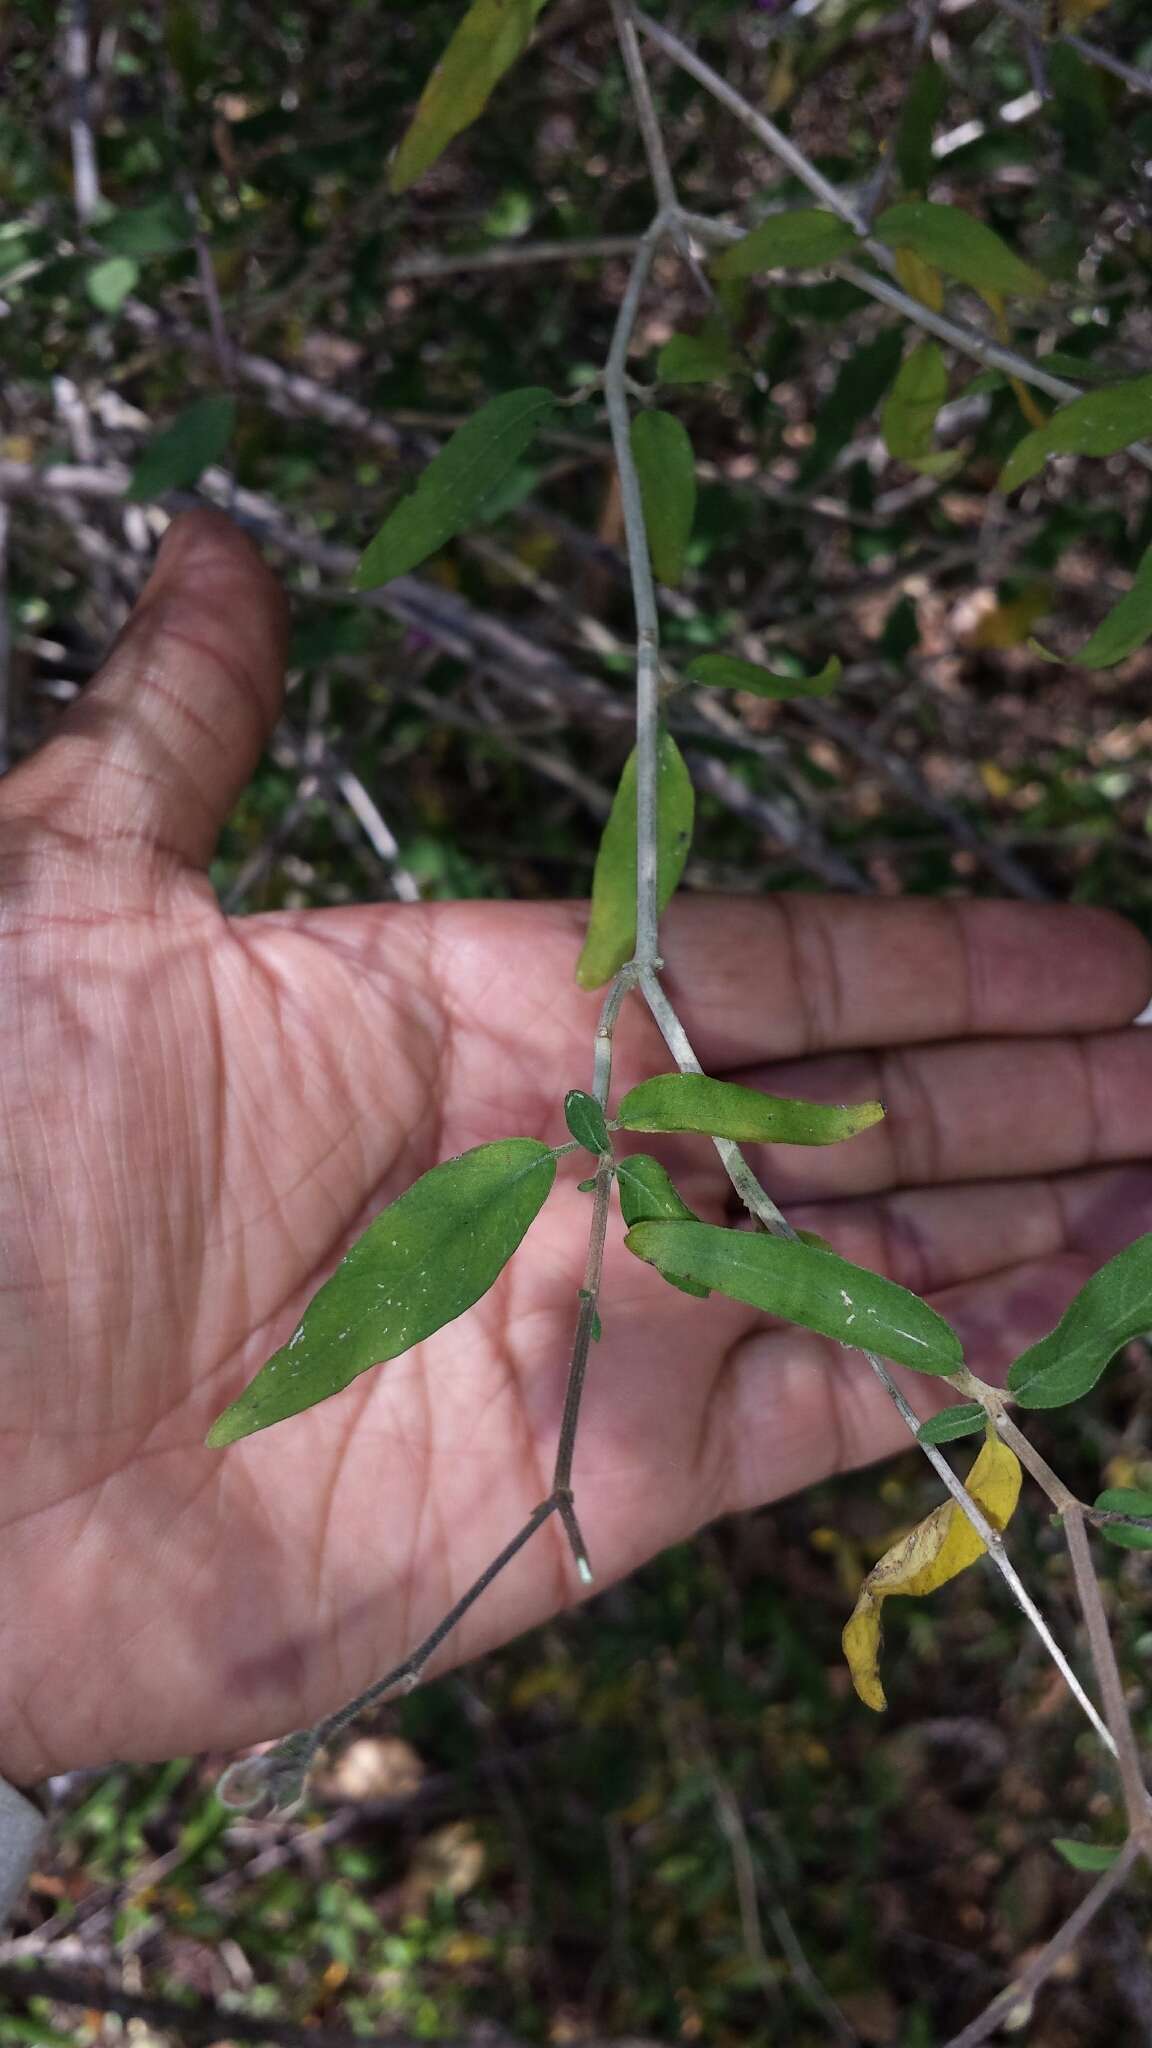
[666,468]
[721,1109]
[860,385]
[922,109]
[1127,626]
[803,238]
[1100,423]
[908,419]
[453,489]
[647,1195]
[802,1285]
[612,925]
[178,457]
[1092,1856]
[727,672]
[487,42]
[944,1544]
[1126,1500]
[951,1423]
[957,243]
[1114,1306]
[420,1263]
[585,1119]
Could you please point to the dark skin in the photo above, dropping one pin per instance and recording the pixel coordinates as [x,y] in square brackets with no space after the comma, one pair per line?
[200,1113]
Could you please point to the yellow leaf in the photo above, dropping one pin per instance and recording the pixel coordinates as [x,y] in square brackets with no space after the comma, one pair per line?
[920,278]
[939,1547]
[1033,413]
[487,42]
[1009,624]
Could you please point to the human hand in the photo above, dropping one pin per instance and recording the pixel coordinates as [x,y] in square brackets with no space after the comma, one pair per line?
[200,1113]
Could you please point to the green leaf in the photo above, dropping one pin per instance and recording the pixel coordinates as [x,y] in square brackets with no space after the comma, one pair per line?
[697,358]
[420,1263]
[486,44]
[157,229]
[720,1109]
[109,283]
[648,1196]
[1125,1500]
[1093,1856]
[585,1119]
[612,923]
[959,244]
[963,1420]
[726,672]
[922,109]
[1127,626]
[816,1289]
[1114,1306]
[908,419]
[859,387]
[666,468]
[176,458]
[452,490]
[1099,423]
[805,237]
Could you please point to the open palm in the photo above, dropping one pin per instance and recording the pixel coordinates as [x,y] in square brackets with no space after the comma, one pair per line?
[200,1114]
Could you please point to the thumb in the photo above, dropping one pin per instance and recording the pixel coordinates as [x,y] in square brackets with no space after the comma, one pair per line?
[162,742]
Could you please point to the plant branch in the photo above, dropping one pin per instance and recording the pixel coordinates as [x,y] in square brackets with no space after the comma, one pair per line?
[1140,81]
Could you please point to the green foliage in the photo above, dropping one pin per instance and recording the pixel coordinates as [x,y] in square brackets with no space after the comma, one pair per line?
[693,1102]
[960,245]
[1127,626]
[802,238]
[728,672]
[926,99]
[612,920]
[420,1263]
[158,229]
[967,1418]
[1113,1307]
[177,458]
[109,283]
[452,491]
[908,419]
[1125,1500]
[698,358]
[1088,1856]
[859,387]
[487,42]
[647,1195]
[666,468]
[585,1119]
[1100,423]
[801,1285]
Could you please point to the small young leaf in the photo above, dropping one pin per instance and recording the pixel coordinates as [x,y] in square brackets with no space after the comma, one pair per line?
[452,490]
[612,923]
[922,109]
[648,1196]
[960,245]
[963,1420]
[666,468]
[1100,423]
[1094,1856]
[939,1547]
[726,672]
[909,415]
[420,1263]
[585,1119]
[585,1187]
[1127,626]
[1125,1500]
[698,358]
[720,1109]
[110,282]
[486,44]
[1114,1306]
[805,238]
[817,1289]
[176,458]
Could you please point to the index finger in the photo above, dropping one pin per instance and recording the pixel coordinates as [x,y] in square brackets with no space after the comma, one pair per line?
[794,974]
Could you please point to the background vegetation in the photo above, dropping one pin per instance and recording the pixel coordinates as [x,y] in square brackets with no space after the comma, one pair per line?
[665,1817]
